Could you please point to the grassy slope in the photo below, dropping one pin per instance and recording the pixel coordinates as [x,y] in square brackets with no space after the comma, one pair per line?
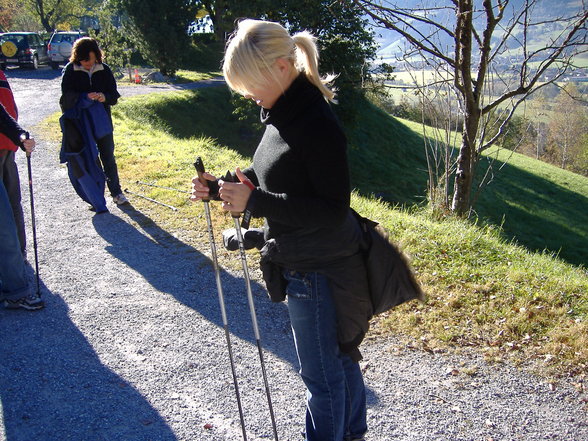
[538,205]
[484,292]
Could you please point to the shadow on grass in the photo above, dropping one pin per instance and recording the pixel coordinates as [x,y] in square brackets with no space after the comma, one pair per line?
[538,214]
[387,160]
[54,386]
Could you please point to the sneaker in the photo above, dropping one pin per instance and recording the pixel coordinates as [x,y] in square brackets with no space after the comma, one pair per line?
[121,199]
[30,303]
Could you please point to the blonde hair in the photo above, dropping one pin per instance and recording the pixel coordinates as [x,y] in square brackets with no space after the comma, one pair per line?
[254,47]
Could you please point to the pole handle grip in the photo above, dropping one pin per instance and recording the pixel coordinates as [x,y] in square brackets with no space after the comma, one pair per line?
[199,166]
[27,136]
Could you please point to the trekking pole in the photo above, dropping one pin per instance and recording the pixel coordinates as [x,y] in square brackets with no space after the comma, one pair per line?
[151,200]
[33,224]
[246,218]
[161,186]
[254,319]
[200,170]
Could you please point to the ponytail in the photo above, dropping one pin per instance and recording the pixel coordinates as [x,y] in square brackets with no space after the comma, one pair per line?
[256,45]
[307,61]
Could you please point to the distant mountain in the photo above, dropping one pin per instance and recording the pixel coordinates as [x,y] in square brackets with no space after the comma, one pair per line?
[392,45]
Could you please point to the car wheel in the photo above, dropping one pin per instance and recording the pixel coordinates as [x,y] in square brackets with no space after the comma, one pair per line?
[35,62]
[54,65]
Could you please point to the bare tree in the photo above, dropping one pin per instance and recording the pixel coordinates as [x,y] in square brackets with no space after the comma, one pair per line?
[488,51]
[567,127]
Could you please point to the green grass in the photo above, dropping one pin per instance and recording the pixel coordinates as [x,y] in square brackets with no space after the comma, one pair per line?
[536,204]
[485,292]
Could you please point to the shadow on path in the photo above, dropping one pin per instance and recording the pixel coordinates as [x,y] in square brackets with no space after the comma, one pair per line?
[43,73]
[50,372]
[175,268]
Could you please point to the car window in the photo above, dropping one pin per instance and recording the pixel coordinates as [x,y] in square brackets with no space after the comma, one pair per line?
[18,40]
[68,38]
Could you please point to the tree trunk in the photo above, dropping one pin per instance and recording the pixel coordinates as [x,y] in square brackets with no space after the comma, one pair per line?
[466,164]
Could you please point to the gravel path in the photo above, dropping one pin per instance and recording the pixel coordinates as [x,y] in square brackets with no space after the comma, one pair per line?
[130,346]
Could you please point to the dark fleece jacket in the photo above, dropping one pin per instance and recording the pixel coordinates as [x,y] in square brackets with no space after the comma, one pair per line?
[303,191]
[76,81]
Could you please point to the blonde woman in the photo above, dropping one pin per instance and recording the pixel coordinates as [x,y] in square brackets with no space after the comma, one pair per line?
[299,182]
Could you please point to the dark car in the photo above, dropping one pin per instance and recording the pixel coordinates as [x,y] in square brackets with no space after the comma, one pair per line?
[22,49]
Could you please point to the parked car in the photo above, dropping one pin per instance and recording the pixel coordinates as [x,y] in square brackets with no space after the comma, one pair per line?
[60,45]
[22,49]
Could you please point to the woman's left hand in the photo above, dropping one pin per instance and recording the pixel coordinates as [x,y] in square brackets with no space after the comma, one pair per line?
[97,96]
[235,195]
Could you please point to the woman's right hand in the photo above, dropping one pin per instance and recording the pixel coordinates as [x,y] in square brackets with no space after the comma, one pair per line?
[29,145]
[199,190]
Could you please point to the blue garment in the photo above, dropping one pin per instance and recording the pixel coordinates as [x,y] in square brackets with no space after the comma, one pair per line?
[9,176]
[13,281]
[335,391]
[82,126]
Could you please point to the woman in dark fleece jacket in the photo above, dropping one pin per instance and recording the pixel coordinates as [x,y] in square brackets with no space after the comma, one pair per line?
[87,74]
[300,182]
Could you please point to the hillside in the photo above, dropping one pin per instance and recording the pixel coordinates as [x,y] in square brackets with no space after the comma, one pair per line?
[536,204]
[484,291]
[393,45]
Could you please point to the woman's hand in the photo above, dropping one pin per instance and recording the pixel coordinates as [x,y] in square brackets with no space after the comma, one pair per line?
[97,96]
[199,190]
[29,145]
[235,195]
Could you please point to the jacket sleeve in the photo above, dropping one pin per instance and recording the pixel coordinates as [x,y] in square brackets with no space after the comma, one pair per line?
[111,93]
[69,95]
[9,127]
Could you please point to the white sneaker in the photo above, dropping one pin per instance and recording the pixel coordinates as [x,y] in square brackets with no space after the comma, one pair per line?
[121,199]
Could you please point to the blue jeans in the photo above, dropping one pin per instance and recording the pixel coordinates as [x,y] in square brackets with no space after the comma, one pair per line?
[14,284]
[335,392]
[9,175]
[106,149]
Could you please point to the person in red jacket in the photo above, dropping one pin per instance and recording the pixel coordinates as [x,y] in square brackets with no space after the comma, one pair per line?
[8,168]
[15,289]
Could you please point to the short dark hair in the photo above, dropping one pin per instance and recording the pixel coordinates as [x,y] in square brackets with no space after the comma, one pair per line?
[82,48]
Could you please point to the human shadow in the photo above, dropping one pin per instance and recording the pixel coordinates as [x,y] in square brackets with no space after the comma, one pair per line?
[53,385]
[175,268]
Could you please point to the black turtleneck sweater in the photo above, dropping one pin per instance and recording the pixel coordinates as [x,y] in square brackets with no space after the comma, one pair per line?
[302,177]
[300,166]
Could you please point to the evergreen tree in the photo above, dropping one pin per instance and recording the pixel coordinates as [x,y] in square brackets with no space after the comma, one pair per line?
[159,30]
